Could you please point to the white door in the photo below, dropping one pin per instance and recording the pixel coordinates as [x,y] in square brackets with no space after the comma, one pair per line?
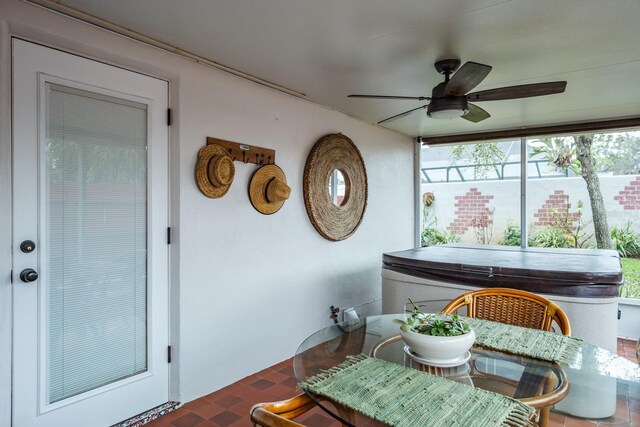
[90,172]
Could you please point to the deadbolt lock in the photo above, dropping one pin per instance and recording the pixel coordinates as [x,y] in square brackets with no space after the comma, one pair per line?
[27,246]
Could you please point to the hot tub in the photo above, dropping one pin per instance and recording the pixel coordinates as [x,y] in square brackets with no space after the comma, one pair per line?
[583,282]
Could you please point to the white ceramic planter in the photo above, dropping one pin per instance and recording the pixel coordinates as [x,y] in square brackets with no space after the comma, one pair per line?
[439,349]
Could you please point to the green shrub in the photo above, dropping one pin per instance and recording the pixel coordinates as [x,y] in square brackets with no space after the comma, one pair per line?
[432,236]
[512,236]
[625,241]
[550,238]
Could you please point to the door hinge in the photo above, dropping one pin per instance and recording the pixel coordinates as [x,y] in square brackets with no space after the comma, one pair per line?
[169,117]
[619,314]
[168,235]
[169,354]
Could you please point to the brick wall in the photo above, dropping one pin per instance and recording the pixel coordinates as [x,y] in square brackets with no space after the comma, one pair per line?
[554,211]
[629,198]
[472,208]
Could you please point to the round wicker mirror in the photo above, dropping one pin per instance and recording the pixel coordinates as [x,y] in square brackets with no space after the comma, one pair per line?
[335,162]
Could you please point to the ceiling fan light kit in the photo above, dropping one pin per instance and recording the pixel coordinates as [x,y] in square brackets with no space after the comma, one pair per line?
[450,99]
[448,108]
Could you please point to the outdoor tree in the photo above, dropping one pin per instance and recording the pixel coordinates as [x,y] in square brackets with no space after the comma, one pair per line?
[584,144]
[617,153]
[484,156]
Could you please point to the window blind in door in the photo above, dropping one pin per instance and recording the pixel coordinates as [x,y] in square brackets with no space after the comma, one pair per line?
[95,239]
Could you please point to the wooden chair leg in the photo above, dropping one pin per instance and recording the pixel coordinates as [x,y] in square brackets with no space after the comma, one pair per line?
[279,414]
[543,420]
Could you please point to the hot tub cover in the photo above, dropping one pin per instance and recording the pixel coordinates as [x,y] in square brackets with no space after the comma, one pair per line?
[572,272]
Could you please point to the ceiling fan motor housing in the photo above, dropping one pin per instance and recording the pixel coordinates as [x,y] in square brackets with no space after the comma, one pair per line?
[444,106]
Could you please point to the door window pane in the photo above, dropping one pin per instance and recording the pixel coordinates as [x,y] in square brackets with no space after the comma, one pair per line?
[95,188]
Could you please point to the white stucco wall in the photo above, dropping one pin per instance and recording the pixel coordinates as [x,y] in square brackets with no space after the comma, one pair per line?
[506,201]
[246,288]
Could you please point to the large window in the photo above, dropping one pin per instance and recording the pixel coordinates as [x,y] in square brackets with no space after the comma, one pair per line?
[468,192]
[472,193]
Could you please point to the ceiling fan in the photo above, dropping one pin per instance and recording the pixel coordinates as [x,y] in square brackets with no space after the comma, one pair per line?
[450,98]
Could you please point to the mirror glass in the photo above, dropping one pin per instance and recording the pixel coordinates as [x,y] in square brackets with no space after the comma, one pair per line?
[338,187]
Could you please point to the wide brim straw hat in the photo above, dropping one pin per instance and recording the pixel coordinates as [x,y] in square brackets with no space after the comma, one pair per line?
[214,171]
[268,189]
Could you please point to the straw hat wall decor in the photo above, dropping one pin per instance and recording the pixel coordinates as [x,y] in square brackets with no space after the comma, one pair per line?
[335,161]
[268,189]
[214,171]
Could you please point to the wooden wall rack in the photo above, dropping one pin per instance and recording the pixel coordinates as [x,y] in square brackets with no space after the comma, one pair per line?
[246,153]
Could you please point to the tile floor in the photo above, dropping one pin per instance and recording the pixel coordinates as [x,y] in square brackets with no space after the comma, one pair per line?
[229,407]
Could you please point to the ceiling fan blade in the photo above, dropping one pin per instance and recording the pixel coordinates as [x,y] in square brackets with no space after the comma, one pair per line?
[475,114]
[515,92]
[418,98]
[397,116]
[466,78]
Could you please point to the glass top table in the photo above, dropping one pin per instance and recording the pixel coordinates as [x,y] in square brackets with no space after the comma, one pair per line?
[589,387]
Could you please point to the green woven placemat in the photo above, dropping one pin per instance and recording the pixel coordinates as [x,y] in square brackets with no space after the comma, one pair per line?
[534,343]
[404,397]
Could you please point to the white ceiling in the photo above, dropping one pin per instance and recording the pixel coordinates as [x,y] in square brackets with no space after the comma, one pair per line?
[331,48]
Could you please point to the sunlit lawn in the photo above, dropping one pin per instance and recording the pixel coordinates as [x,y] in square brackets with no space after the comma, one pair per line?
[631,272]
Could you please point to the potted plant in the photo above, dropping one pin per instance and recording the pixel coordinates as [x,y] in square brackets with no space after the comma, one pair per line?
[437,338]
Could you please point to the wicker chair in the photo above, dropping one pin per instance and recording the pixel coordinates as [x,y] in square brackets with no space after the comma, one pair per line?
[513,307]
[279,414]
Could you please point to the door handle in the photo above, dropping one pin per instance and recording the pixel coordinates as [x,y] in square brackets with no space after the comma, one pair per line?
[28,275]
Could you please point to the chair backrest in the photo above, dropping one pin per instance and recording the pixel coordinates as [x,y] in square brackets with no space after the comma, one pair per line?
[511,306]
[279,414]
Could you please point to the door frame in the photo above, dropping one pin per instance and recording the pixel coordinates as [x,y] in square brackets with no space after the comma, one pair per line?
[6,207]
[10,29]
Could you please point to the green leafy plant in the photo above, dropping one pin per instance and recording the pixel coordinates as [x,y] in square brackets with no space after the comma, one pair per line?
[440,325]
[572,224]
[578,237]
[512,236]
[560,153]
[551,237]
[567,223]
[432,236]
[625,241]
